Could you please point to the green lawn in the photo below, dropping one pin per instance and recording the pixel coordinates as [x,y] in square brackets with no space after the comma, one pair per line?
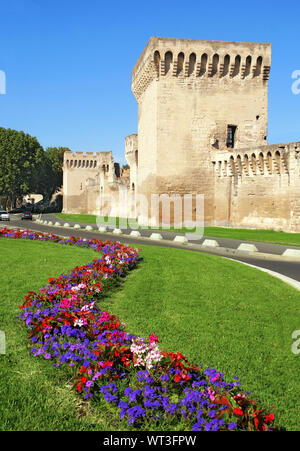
[217,312]
[266,236]
[86,219]
[33,394]
[221,314]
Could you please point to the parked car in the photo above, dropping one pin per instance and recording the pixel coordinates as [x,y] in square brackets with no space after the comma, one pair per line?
[4,216]
[26,215]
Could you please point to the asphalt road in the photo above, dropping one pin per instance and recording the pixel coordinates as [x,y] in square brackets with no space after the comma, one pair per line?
[268,248]
[289,269]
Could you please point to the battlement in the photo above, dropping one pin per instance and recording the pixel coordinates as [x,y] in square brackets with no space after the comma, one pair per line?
[87,160]
[131,143]
[201,60]
[261,160]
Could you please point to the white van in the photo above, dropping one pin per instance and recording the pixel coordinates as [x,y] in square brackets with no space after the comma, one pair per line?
[4,216]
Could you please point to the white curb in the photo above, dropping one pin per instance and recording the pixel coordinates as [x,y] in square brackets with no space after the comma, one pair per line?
[135,233]
[247,247]
[180,239]
[294,283]
[210,243]
[156,236]
[292,253]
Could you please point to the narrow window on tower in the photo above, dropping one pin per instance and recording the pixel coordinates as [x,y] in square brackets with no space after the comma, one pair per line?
[231,129]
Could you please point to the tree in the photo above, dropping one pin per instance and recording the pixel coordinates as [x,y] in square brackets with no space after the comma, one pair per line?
[20,158]
[25,167]
[50,176]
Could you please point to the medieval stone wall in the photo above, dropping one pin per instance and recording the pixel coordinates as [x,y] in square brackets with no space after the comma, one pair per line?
[87,178]
[258,187]
[202,129]
[188,93]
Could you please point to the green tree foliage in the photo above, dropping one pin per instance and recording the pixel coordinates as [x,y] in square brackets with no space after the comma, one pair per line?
[50,176]
[20,156]
[25,167]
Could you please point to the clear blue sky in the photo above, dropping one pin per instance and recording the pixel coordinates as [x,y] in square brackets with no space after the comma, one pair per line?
[68,63]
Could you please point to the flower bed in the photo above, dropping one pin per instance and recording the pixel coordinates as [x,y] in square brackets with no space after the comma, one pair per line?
[151,388]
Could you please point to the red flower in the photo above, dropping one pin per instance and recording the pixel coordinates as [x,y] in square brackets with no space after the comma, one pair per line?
[238,412]
[177,378]
[186,377]
[270,418]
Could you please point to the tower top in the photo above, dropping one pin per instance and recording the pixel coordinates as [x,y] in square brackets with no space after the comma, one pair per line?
[200,59]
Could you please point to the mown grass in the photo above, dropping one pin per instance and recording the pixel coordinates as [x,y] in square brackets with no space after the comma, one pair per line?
[265,236]
[217,312]
[85,219]
[34,396]
[220,314]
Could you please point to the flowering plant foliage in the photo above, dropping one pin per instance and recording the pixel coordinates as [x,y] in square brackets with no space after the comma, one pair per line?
[149,386]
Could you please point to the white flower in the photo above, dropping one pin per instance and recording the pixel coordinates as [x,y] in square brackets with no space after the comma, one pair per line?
[87,307]
[78,322]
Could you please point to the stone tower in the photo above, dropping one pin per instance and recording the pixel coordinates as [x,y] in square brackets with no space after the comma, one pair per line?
[86,178]
[195,97]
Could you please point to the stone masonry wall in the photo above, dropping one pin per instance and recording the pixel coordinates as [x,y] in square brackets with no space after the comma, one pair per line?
[188,92]
[86,179]
[258,187]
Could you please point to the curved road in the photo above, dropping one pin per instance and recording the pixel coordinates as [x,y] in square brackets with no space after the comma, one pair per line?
[289,269]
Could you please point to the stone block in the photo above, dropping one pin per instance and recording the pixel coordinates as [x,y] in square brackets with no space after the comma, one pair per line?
[210,243]
[292,253]
[156,236]
[135,233]
[180,239]
[247,247]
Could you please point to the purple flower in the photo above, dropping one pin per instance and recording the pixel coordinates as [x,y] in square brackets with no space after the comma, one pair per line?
[232,426]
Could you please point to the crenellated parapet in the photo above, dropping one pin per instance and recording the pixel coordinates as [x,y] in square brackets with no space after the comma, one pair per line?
[262,160]
[88,160]
[131,148]
[201,61]
[131,155]
[80,160]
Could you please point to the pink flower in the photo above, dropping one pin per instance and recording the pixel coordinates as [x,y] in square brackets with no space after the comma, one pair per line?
[211,394]
[214,379]
[65,303]
[104,317]
[153,338]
